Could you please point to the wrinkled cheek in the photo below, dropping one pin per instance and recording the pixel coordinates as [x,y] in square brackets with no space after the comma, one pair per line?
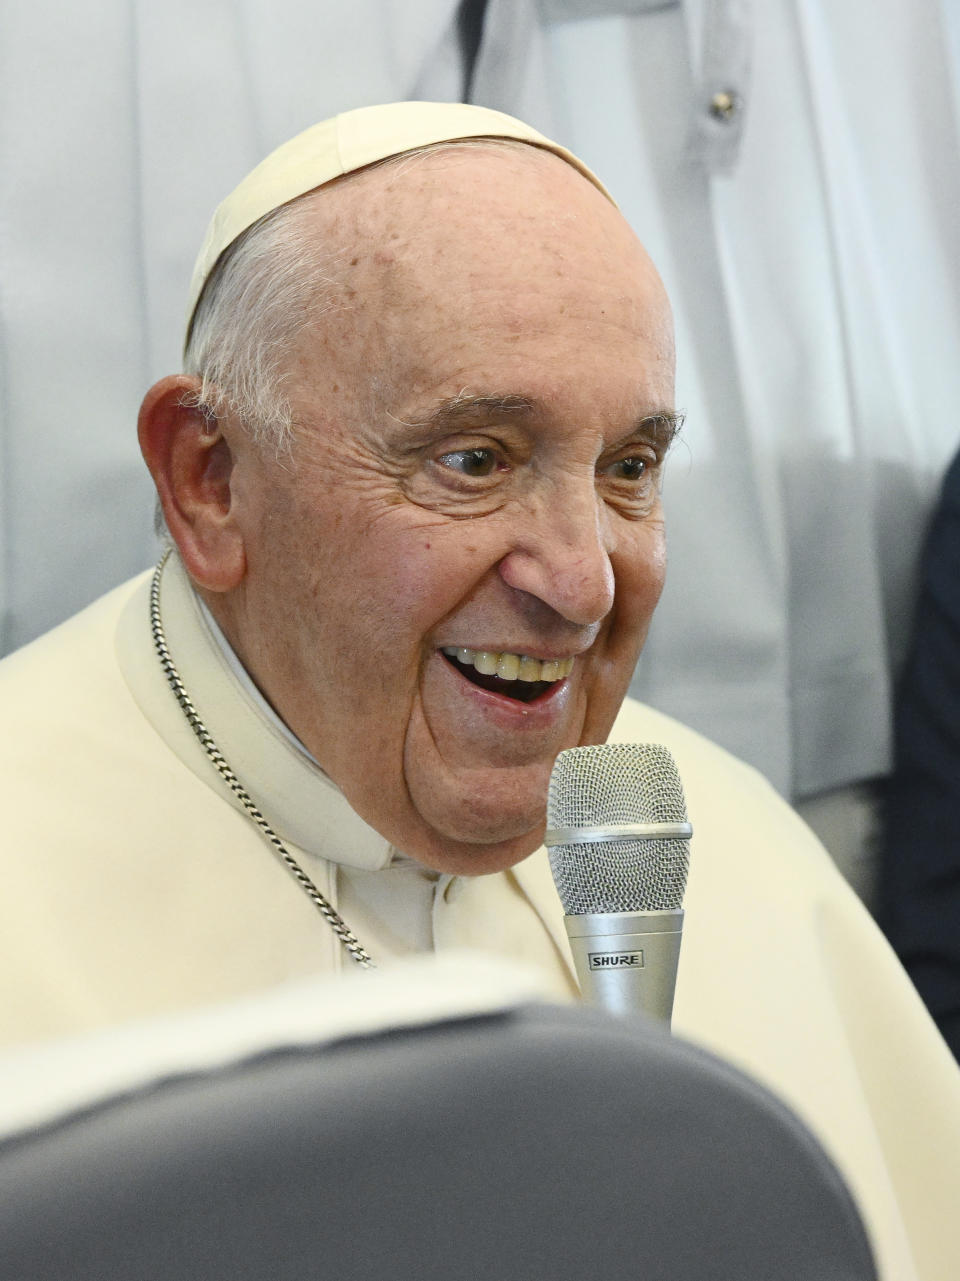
[638,593]
[422,755]
[646,577]
[451,802]
[429,789]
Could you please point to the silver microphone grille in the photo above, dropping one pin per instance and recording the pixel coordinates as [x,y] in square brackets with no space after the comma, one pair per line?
[618,783]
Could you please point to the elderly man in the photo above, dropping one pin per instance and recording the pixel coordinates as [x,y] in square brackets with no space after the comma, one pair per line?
[412,476]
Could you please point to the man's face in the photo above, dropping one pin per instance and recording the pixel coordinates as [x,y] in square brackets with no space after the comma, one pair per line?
[479,436]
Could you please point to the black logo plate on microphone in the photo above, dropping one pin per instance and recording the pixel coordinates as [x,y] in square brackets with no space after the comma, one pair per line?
[615,960]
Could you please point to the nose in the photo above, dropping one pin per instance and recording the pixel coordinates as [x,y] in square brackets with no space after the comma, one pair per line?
[561,554]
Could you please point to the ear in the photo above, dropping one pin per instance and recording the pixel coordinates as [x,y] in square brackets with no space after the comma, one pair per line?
[192,463]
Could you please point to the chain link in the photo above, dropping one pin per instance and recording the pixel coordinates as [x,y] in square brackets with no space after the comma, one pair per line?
[206,740]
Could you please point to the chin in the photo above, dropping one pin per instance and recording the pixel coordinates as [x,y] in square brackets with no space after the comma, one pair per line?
[479,854]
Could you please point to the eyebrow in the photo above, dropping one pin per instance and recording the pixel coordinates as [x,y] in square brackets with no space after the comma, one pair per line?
[661,426]
[456,409]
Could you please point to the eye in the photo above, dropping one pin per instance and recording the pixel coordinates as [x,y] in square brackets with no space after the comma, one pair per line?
[631,468]
[470,462]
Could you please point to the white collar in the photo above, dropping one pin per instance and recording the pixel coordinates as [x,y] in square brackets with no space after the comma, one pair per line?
[296,797]
[246,682]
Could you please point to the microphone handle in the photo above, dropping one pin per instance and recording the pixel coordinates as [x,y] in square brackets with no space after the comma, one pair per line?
[627,961]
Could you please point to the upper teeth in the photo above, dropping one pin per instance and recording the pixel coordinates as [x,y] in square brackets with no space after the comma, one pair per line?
[511,667]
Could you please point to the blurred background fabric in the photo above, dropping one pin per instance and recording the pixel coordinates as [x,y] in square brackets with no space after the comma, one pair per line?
[918,899]
[793,166]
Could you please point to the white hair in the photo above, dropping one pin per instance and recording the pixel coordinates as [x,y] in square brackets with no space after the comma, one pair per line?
[271,282]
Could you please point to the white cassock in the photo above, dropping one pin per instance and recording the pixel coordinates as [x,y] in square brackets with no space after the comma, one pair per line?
[134,884]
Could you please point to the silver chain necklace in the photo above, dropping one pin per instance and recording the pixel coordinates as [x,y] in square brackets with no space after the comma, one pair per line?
[205,738]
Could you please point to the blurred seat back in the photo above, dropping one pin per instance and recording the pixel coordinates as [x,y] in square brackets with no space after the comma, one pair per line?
[530,1143]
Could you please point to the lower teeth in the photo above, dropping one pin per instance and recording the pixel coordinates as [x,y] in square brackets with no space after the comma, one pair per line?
[521,691]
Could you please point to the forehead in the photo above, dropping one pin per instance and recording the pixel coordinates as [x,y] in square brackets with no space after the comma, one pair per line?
[462,261]
[468,205]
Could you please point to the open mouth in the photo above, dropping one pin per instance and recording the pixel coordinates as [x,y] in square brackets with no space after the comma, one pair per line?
[516,676]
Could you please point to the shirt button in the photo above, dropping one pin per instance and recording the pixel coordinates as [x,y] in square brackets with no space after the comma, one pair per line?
[724,104]
[453,889]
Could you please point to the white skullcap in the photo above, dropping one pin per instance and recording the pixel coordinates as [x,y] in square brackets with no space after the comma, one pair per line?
[343,144]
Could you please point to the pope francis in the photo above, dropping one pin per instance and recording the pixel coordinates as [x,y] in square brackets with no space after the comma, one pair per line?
[410,481]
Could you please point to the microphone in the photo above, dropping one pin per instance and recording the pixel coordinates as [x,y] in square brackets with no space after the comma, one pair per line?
[618,839]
